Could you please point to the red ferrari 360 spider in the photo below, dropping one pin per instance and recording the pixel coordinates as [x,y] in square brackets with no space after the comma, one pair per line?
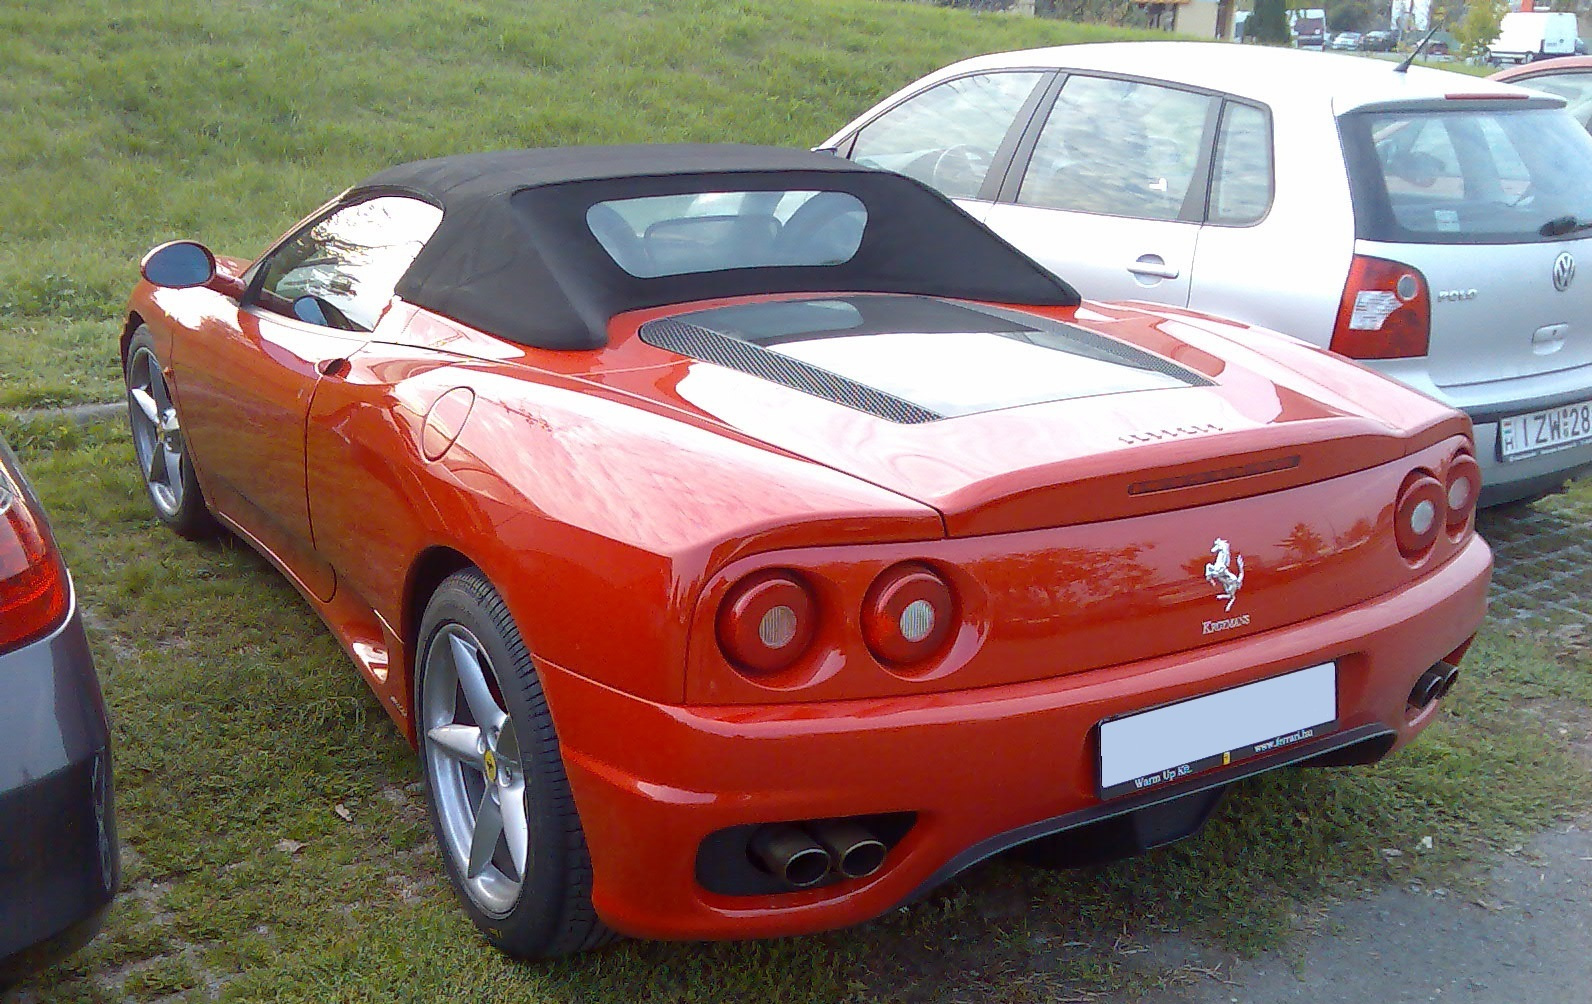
[750,540]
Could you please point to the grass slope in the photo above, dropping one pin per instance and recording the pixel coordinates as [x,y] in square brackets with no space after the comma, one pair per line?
[135,122]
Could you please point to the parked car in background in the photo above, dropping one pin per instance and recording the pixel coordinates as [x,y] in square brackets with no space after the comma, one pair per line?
[1378,41]
[1424,222]
[1526,36]
[1570,77]
[1309,28]
[59,859]
[730,526]
[1346,41]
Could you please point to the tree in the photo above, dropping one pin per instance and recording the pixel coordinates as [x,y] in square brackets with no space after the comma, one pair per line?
[1356,15]
[1480,27]
[1269,24]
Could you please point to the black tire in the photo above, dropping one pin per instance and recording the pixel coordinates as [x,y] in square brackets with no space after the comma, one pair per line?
[552,913]
[174,494]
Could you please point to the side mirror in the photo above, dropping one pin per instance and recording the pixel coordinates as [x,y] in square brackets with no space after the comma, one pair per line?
[308,309]
[179,265]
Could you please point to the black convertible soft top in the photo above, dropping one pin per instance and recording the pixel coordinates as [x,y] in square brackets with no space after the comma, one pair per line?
[514,255]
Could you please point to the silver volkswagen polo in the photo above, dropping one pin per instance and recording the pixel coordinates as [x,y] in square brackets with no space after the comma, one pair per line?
[1423,221]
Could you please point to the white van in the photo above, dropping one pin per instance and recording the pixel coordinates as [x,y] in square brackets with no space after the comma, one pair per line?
[1527,35]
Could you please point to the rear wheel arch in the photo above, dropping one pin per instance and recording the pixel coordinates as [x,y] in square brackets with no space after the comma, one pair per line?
[428,572]
[129,329]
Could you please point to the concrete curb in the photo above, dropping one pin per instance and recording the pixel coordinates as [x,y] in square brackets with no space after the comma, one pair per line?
[82,414]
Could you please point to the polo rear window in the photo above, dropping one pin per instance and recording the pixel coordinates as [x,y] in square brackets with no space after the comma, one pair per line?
[1481,176]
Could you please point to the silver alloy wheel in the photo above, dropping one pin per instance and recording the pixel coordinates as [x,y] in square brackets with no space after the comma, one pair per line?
[157,435]
[472,758]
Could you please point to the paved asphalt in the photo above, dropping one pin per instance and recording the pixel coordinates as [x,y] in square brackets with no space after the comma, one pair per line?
[1527,940]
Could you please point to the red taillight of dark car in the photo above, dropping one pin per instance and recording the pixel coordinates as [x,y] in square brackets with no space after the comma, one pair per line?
[907,615]
[1385,312]
[34,594]
[767,622]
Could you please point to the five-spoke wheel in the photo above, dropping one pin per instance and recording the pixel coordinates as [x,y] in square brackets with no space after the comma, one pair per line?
[500,803]
[159,444]
[473,762]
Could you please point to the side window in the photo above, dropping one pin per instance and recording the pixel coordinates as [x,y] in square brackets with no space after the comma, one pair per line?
[1117,147]
[1241,181]
[348,262]
[1574,87]
[947,136]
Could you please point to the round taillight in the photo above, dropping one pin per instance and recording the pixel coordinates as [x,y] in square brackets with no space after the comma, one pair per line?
[1464,488]
[1420,514]
[767,622]
[907,614]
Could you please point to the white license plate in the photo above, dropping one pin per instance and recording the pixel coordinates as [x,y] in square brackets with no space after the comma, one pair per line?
[1154,748]
[1523,436]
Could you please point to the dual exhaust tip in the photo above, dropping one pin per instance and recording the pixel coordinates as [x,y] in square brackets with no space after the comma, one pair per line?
[1434,684]
[803,855]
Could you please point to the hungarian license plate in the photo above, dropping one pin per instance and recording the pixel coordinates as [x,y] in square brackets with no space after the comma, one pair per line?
[1154,748]
[1523,436]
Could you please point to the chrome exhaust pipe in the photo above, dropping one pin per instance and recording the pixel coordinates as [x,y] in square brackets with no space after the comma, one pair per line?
[1434,684]
[791,855]
[856,852]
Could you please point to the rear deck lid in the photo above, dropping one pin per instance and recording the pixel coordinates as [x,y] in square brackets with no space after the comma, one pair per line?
[1491,199]
[1004,420]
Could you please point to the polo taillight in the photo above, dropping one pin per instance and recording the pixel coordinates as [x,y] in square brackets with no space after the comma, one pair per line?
[1385,312]
[767,622]
[34,595]
[907,615]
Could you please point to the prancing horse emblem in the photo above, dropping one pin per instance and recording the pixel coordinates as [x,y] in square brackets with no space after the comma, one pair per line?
[1220,574]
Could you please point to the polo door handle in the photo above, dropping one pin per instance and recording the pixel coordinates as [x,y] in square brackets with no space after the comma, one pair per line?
[1153,266]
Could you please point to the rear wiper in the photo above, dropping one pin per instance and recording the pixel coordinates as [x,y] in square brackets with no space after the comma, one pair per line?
[1561,225]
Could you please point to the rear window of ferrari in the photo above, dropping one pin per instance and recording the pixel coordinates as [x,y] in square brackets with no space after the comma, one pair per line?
[713,231]
[1483,176]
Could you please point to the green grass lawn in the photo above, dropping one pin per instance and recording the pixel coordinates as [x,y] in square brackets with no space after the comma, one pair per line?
[243,735]
[134,122]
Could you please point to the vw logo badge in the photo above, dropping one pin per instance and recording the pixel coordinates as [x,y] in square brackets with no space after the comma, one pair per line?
[1563,271]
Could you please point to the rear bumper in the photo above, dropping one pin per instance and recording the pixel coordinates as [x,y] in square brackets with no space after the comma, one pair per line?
[1487,403]
[1507,481]
[981,769]
[59,858]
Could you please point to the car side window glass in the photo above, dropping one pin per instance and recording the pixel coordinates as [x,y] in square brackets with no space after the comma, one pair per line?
[1117,147]
[1574,88]
[348,263]
[1241,180]
[946,137]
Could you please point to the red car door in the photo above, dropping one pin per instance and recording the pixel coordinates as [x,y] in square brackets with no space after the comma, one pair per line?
[247,382]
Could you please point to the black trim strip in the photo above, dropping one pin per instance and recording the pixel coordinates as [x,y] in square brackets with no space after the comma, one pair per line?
[1368,735]
[749,357]
[1494,412]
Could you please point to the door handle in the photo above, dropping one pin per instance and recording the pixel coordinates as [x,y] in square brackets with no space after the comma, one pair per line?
[335,368]
[1152,265]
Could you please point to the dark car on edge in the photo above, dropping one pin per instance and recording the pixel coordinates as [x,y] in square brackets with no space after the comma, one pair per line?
[59,859]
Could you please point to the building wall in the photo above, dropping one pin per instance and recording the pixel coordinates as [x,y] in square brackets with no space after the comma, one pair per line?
[1198,18]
